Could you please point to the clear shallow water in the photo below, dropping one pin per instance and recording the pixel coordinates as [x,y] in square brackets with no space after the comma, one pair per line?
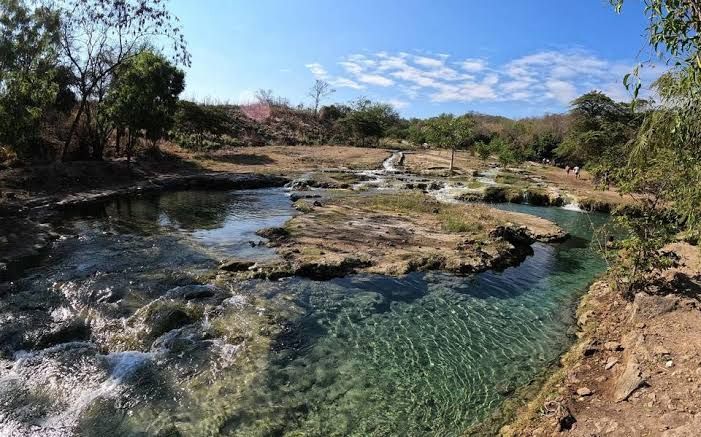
[426,354]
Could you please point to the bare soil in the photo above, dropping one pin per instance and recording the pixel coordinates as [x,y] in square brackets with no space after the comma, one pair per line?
[636,370]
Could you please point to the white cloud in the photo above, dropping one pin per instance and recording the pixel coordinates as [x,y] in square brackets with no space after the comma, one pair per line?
[562,91]
[397,103]
[342,82]
[473,65]
[428,62]
[375,79]
[317,70]
[545,78]
[351,67]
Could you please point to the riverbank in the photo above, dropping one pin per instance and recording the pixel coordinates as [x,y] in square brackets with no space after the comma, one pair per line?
[636,367]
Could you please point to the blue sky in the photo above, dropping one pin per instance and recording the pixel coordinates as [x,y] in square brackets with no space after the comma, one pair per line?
[511,57]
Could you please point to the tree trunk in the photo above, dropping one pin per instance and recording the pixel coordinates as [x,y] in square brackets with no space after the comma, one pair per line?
[118,141]
[130,146]
[452,159]
[74,126]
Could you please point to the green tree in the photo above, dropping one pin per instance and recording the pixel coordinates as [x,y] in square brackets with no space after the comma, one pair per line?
[600,129]
[484,151]
[28,59]
[449,132]
[143,99]
[663,167]
[198,122]
[369,119]
[97,37]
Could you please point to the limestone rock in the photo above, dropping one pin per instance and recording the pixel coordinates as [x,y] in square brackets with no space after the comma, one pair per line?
[584,391]
[613,346]
[612,361]
[235,265]
[630,380]
[647,306]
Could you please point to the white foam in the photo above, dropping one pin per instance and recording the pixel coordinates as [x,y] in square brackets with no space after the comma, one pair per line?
[572,207]
[390,164]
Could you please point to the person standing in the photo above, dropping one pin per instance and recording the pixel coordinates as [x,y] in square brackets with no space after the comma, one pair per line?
[567,170]
[576,172]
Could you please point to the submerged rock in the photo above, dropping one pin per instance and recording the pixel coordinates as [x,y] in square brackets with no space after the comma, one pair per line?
[74,330]
[195,291]
[235,265]
[273,234]
[158,317]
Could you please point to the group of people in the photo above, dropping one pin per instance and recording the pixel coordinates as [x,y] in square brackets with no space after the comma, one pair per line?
[574,169]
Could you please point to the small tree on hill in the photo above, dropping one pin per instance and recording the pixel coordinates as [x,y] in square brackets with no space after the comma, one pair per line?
[368,119]
[318,92]
[193,121]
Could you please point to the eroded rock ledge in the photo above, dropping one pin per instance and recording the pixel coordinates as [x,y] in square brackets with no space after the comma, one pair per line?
[397,234]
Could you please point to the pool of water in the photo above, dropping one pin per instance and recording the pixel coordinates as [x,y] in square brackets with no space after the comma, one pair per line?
[97,341]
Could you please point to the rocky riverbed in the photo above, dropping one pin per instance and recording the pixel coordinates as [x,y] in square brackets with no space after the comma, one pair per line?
[152,305]
[395,234]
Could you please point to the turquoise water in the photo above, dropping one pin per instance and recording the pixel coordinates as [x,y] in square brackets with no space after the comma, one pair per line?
[424,354]
[427,354]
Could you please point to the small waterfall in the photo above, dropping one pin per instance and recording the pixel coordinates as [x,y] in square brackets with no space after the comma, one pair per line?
[390,164]
[572,207]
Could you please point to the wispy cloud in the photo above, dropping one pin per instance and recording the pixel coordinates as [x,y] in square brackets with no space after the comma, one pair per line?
[397,103]
[545,77]
[317,70]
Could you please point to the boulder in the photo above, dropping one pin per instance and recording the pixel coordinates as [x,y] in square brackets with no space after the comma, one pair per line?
[646,306]
[235,265]
[630,380]
[518,236]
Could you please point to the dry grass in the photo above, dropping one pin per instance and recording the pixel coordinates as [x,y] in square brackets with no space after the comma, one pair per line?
[284,159]
[438,161]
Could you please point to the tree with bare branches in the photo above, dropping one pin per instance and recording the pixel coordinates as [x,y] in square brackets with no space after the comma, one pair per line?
[318,92]
[98,36]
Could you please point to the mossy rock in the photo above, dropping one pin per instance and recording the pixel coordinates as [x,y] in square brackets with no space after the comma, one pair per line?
[494,194]
[537,197]
[273,234]
[594,205]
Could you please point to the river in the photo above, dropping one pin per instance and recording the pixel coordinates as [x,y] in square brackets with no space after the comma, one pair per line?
[125,329]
